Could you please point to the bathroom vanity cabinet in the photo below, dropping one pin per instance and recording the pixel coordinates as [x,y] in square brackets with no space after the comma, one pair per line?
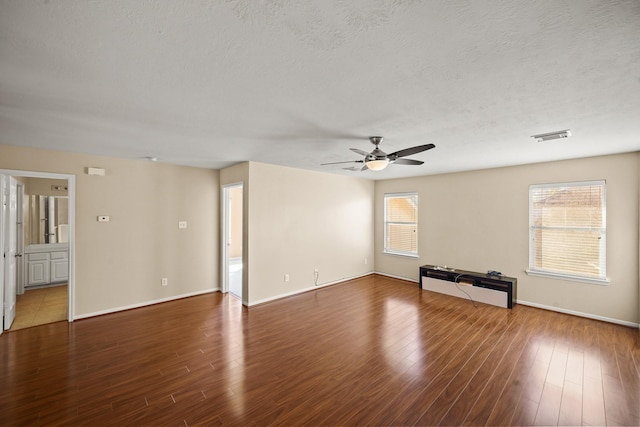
[48,263]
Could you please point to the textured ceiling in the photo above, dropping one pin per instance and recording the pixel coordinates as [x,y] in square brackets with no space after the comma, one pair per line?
[297,83]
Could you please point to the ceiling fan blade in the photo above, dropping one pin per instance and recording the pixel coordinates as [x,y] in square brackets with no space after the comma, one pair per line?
[407,162]
[358,151]
[338,163]
[412,150]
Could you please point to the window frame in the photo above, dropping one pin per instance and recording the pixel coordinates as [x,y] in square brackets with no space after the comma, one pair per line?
[386,250]
[537,271]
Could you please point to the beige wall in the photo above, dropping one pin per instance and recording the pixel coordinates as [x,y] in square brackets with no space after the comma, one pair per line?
[120,263]
[300,221]
[42,186]
[479,221]
[296,221]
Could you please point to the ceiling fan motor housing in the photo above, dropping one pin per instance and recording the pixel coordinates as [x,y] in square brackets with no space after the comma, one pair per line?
[376,140]
[377,153]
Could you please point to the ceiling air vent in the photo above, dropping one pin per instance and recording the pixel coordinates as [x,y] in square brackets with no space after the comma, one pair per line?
[552,135]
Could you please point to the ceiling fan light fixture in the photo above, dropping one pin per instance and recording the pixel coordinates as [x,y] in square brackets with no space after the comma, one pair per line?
[377,165]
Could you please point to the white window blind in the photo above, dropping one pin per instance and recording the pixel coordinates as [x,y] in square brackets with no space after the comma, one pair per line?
[401,224]
[567,230]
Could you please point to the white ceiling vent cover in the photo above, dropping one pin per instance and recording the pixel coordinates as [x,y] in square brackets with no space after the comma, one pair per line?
[552,135]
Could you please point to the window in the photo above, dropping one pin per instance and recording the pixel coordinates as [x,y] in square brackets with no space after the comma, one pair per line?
[401,224]
[567,231]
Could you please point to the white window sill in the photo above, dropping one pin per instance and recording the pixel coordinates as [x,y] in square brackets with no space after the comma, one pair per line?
[405,255]
[561,276]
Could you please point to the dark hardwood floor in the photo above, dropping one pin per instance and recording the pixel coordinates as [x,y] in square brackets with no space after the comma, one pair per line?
[372,351]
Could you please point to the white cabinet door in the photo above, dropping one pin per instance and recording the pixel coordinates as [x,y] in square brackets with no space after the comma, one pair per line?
[59,267]
[38,269]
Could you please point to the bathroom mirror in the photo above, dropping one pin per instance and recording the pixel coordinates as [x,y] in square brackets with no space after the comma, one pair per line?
[48,219]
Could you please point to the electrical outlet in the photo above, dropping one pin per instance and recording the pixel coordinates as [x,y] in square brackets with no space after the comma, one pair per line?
[182,224]
[315,271]
[164,281]
[366,261]
[286,277]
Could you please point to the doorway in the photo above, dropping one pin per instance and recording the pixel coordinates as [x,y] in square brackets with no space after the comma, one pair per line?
[43,258]
[232,250]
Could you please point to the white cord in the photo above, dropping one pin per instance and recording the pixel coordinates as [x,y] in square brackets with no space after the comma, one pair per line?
[465,292]
[316,275]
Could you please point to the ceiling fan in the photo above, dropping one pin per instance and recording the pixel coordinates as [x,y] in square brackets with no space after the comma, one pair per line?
[377,160]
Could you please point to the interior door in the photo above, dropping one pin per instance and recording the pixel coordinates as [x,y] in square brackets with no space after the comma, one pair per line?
[10,249]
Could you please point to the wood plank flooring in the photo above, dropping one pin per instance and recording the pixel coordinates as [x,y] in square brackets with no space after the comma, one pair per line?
[372,351]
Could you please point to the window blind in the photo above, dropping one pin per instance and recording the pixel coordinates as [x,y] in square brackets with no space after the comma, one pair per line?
[567,226]
[401,223]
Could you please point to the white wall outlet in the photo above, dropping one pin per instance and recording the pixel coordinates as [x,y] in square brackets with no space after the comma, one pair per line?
[164,281]
[286,277]
[103,218]
[366,261]
[315,271]
[182,224]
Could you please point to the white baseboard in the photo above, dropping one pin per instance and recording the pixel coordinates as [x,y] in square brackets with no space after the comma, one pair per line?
[397,277]
[578,313]
[544,307]
[143,304]
[311,288]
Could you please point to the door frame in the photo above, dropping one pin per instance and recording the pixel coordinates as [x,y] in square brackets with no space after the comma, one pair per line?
[71,186]
[20,265]
[3,200]
[226,221]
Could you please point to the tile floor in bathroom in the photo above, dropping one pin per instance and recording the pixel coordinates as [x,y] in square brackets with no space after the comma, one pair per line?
[40,306]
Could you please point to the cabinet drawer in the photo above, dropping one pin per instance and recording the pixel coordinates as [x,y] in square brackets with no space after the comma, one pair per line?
[38,257]
[58,255]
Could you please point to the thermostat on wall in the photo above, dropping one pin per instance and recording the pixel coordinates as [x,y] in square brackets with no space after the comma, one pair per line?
[103,218]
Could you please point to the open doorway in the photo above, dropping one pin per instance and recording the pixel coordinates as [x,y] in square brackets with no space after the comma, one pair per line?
[38,247]
[232,218]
